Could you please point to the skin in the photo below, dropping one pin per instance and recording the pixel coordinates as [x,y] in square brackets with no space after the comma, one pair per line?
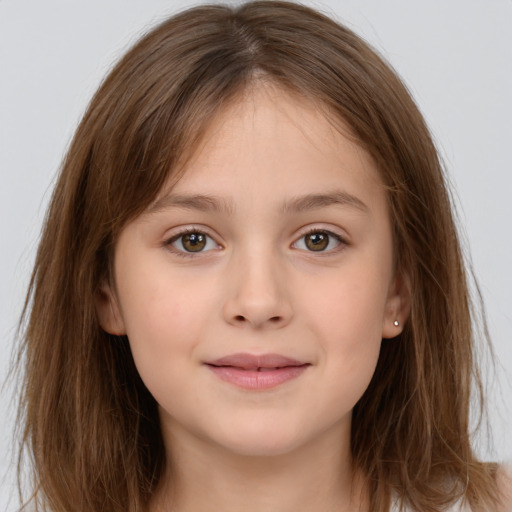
[258,288]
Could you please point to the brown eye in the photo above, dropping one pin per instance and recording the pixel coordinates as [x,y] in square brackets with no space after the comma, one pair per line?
[193,242]
[317,241]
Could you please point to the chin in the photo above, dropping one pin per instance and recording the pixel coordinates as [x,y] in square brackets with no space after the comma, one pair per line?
[261,441]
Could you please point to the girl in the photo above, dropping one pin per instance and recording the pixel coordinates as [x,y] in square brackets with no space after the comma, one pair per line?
[249,292]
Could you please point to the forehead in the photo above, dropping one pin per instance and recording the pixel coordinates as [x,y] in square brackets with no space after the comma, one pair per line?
[271,142]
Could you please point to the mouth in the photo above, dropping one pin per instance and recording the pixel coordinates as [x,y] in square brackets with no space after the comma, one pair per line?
[259,372]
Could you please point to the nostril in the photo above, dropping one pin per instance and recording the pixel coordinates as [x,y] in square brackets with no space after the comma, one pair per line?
[239,318]
[275,319]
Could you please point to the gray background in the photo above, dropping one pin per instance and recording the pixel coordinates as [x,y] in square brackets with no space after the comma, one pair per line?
[455,56]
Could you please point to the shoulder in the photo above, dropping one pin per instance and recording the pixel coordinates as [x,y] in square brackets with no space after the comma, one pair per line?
[504,479]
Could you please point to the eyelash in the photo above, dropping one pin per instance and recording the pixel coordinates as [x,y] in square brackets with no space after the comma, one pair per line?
[185,254]
[191,254]
[341,241]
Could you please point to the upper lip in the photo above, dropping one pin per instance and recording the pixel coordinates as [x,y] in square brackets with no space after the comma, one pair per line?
[249,361]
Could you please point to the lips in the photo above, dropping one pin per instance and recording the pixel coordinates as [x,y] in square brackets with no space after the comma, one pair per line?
[257,372]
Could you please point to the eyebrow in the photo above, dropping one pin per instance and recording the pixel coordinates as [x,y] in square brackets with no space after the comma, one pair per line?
[299,204]
[201,202]
[315,201]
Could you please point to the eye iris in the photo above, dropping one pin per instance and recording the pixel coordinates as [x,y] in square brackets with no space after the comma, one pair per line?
[317,241]
[194,242]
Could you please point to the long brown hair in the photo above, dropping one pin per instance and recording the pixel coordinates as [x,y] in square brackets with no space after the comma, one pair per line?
[90,424]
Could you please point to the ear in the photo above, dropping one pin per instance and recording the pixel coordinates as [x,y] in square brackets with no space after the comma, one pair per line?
[107,309]
[398,306]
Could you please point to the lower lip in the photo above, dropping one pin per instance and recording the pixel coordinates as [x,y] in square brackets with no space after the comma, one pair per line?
[251,379]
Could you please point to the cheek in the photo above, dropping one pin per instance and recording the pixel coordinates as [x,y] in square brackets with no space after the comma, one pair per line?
[351,304]
[161,317]
[346,317]
[349,351]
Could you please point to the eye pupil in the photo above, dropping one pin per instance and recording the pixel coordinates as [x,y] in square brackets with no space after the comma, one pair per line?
[317,241]
[194,242]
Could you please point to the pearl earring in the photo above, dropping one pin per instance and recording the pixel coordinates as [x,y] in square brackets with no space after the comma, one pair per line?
[395,323]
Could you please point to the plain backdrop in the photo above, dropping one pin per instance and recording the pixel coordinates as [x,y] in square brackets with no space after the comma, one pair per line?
[455,56]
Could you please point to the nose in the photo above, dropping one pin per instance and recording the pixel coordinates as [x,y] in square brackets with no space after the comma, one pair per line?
[258,295]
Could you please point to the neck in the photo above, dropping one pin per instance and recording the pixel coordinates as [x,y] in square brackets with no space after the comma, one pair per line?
[316,477]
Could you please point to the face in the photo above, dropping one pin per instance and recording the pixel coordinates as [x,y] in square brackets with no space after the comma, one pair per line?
[255,293]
